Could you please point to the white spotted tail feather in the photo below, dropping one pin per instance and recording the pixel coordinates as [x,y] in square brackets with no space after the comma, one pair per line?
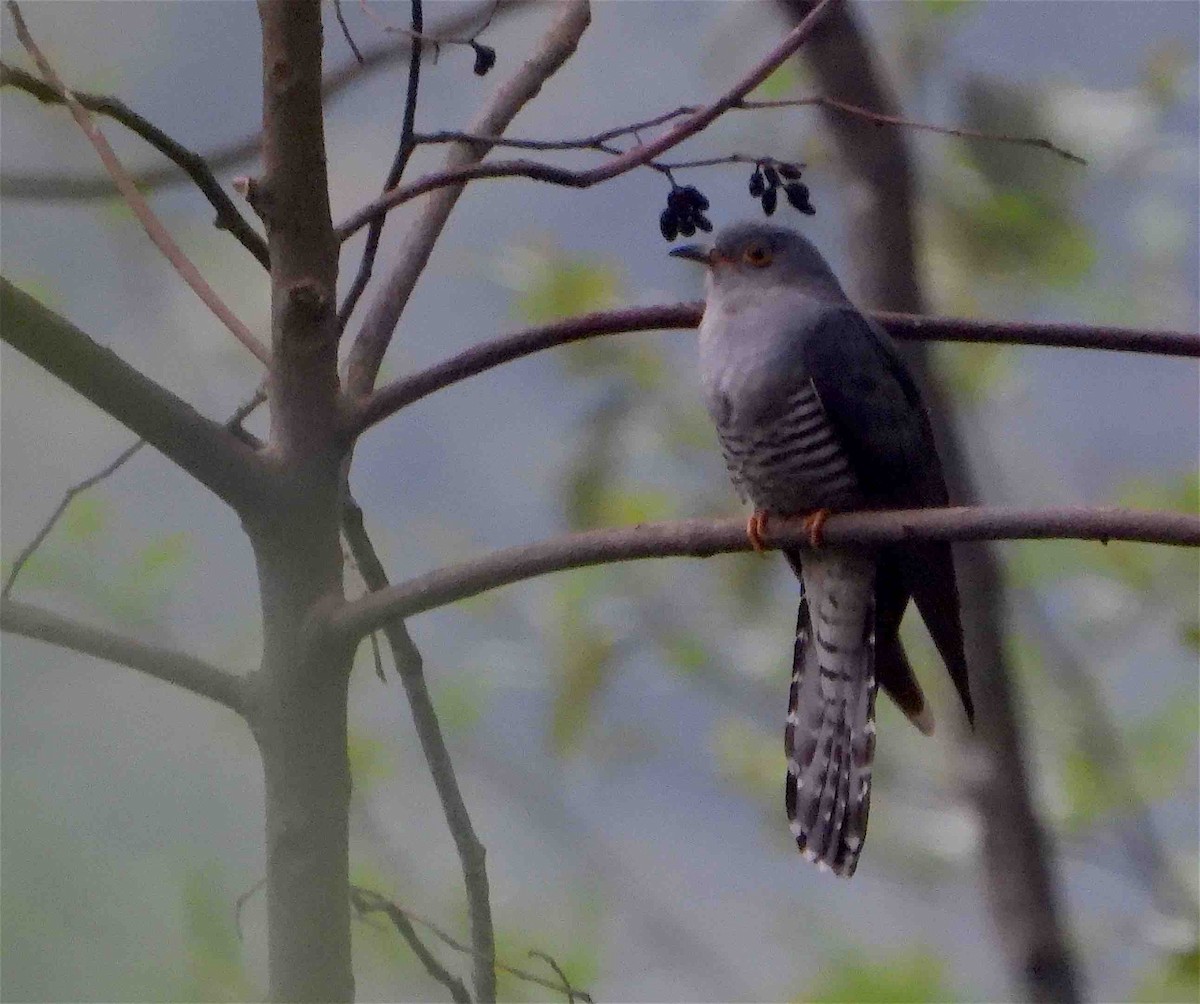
[829,738]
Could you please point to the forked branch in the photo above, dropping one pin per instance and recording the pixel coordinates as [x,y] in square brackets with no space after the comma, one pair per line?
[158,234]
[213,455]
[700,538]
[615,166]
[190,162]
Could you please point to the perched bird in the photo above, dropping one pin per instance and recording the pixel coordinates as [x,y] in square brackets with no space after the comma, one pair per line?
[816,412]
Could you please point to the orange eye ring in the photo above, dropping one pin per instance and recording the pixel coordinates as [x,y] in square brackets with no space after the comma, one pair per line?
[758,257]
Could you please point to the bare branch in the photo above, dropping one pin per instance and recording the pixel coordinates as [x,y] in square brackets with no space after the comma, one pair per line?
[42,185]
[599,141]
[410,667]
[554,48]
[105,472]
[700,538]
[366,901]
[405,390]
[211,454]
[182,670]
[854,111]
[193,165]
[521,974]
[640,154]
[399,163]
[157,233]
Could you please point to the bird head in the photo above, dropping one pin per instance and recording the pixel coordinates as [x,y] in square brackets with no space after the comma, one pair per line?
[749,256]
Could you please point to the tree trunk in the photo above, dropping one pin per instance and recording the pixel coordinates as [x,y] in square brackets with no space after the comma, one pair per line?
[300,724]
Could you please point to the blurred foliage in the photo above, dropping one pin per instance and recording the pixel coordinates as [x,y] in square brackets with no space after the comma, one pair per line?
[82,561]
[916,976]
[582,655]
[1174,980]
[215,970]
[552,285]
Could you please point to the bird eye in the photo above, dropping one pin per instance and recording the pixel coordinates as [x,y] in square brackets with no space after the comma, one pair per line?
[758,257]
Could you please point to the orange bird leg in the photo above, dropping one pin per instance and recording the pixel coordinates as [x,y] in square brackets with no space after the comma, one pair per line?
[813,523]
[756,526]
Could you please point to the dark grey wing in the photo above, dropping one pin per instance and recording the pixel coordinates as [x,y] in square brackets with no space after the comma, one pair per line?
[880,420]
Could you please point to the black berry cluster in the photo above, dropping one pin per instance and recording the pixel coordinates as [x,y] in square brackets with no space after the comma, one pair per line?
[766,181]
[684,214]
[485,58]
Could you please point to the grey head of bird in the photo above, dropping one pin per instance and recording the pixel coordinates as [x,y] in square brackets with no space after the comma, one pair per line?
[752,257]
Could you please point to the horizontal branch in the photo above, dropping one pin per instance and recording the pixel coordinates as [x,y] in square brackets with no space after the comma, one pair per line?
[209,452]
[190,162]
[700,538]
[182,670]
[618,165]
[405,390]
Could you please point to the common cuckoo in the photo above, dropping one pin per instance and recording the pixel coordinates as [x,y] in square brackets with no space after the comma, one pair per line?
[816,412]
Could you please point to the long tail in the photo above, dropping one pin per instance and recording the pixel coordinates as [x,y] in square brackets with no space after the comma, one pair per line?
[829,738]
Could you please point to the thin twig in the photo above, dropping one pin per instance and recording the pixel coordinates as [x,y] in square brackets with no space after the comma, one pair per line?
[47,185]
[367,902]
[240,904]
[521,974]
[125,455]
[391,297]
[341,20]
[452,942]
[220,460]
[194,166]
[536,953]
[410,668]
[157,233]
[67,499]
[164,664]
[895,120]
[403,391]
[640,154]
[702,538]
[399,162]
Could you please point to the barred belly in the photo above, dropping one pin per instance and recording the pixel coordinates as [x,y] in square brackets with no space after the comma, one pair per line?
[792,463]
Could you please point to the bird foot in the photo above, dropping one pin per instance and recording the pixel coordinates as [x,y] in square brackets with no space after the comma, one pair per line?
[813,523]
[756,526]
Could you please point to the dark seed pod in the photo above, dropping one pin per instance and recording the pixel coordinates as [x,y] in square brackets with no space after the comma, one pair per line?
[678,201]
[772,176]
[695,198]
[757,185]
[797,195]
[668,223]
[769,199]
[687,228]
[790,171]
[702,222]
[485,58]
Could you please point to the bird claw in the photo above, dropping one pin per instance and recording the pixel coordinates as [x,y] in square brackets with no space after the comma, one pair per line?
[813,524]
[756,526]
